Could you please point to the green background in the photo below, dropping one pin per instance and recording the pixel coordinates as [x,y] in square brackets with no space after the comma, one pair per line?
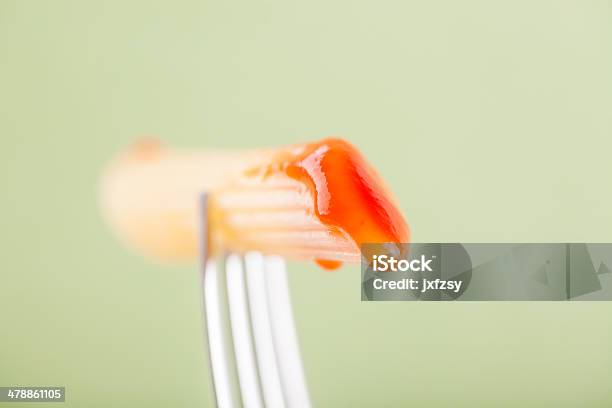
[490,120]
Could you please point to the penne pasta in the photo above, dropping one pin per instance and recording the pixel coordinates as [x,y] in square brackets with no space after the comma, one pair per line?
[315,201]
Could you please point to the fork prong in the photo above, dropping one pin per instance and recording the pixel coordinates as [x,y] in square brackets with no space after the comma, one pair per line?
[246,364]
[217,344]
[284,333]
[262,331]
[213,308]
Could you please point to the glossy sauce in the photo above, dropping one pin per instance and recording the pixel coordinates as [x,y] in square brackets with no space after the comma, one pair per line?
[348,194]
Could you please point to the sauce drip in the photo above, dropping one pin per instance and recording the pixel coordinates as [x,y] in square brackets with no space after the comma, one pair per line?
[327,264]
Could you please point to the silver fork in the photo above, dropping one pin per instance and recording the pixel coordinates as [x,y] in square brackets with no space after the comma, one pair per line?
[252,342]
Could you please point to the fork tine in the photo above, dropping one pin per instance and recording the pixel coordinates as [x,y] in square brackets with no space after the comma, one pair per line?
[241,333]
[217,343]
[262,331]
[213,306]
[284,333]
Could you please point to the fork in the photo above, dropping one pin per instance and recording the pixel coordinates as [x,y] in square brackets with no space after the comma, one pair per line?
[253,350]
